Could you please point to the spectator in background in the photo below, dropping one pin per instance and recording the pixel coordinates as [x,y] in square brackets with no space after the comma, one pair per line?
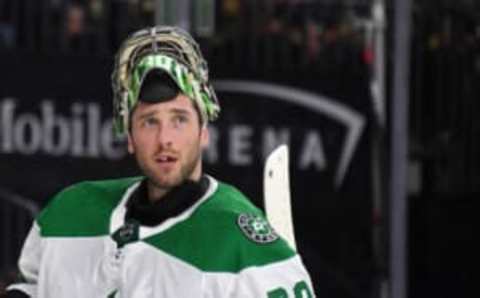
[313,46]
[147,12]
[77,37]
[7,31]
[96,9]
[7,35]
[75,20]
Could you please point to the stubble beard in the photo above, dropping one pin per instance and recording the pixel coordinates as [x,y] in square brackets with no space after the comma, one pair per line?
[165,182]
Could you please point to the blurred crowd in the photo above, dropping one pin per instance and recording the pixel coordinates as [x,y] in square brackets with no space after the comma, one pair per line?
[296,31]
[299,32]
[87,26]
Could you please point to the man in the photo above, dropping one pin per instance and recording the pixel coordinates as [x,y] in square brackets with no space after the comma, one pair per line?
[175,232]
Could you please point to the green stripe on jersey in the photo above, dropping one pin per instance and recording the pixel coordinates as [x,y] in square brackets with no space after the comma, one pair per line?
[211,240]
[83,209]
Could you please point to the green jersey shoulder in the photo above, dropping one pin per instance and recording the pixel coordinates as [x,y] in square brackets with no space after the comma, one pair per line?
[83,209]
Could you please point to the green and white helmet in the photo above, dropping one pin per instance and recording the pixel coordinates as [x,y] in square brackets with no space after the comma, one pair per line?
[171,50]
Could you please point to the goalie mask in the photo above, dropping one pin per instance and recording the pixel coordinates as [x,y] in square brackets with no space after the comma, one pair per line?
[167,50]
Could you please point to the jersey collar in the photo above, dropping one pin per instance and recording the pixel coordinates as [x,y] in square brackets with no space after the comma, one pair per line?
[119,214]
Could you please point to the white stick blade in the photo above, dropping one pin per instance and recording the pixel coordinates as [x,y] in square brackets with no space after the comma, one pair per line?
[277,194]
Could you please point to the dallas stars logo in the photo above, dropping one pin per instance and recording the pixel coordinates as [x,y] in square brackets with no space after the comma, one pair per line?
[256,228]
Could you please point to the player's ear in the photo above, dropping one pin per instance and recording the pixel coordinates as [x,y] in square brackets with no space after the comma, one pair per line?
[131,148]
[204,137]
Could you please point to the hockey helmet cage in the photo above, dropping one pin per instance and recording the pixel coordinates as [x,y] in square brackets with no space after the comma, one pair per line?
[168,49]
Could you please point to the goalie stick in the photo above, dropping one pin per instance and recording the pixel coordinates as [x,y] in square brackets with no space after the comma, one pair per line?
[276,194]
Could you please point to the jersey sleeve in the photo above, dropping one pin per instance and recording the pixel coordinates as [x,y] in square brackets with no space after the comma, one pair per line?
[29,263]
[284,279]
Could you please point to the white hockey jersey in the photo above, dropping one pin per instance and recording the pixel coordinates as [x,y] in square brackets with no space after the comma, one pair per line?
[220,247]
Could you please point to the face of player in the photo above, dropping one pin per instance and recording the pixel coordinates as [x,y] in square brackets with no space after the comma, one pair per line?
[167,141]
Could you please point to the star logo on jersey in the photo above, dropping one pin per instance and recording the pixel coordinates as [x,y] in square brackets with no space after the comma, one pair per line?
[256,228]
[127,233]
